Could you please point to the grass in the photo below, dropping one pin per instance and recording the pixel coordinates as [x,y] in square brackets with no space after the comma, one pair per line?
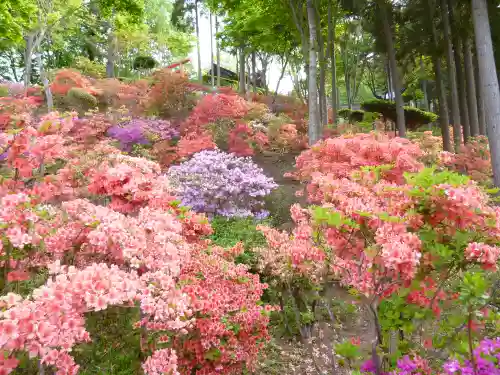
[228,232]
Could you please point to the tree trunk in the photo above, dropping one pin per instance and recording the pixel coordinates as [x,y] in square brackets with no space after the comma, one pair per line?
[424,85]
[443,107]
[444,120]
[198,51]
[242,72]
[323,109]
[111,55]
[489,82]
[347,78]
[212,73]
[27,62]
[298,20]
[264,63]
[480,102]
[331,49]
[45,82]
[283,68]
[452,77]
[313,131]
[254,75]
[400,114]
[471,88]
[389,82]
[217,48]
[462,87]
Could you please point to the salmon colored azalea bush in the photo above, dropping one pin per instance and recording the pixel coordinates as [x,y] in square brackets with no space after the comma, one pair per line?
[106,230]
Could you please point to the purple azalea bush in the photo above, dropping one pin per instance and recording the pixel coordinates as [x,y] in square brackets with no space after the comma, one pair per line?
[141,131]
[218,183]
[486,362]
[486,358]
[128,135]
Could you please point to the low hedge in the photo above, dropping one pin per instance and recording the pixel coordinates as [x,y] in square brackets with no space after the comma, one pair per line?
[351,115]
[414,117]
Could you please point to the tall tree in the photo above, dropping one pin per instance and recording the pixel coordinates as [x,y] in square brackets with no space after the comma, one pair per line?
[489,82]
[471,88]
[332,22]
[198,51]
[443,108]
[384,9]
[452,77]
[212,74]
[217,48]
[460,74]
[314,121]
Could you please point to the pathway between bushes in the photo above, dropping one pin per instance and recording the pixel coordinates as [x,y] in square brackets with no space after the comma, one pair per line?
[290,357]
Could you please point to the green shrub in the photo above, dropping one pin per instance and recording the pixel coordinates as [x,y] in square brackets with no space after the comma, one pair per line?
[228,232]
[90,68]
[414,117]
[370,116]
[4,91]
[344,112]
[351,115]
[80,99]
[415,94]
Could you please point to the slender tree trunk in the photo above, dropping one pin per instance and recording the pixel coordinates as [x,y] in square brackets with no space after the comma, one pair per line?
[333,62]
[111,53]
[254,75]
[489,82]
[265,63]
[217,48]
[298,20]
[461,83]
[198,51]
[452,77]
[400,114]
[480,102]
[471,88]
[314,133]
[323,108]
[212,73]
[347,68]
[389,82]
[45,82]
[27,62]
[283,68]
[443,107]
[444,120]
[424,85]
[242,71]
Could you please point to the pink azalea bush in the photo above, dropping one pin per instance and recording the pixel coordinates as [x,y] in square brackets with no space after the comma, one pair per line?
[390,230]
[109,231]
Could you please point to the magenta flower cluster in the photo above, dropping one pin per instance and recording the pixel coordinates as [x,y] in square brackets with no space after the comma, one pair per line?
[486,362]
[218,183]
[486,358]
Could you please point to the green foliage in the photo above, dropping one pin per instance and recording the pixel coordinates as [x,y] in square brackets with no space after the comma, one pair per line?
[429,177]
[90,68]
[410,95]
[348,351]
[144,62]
[115,348]
[228,232]
[4,91]
[352,115]
[80,99]
[414,117]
